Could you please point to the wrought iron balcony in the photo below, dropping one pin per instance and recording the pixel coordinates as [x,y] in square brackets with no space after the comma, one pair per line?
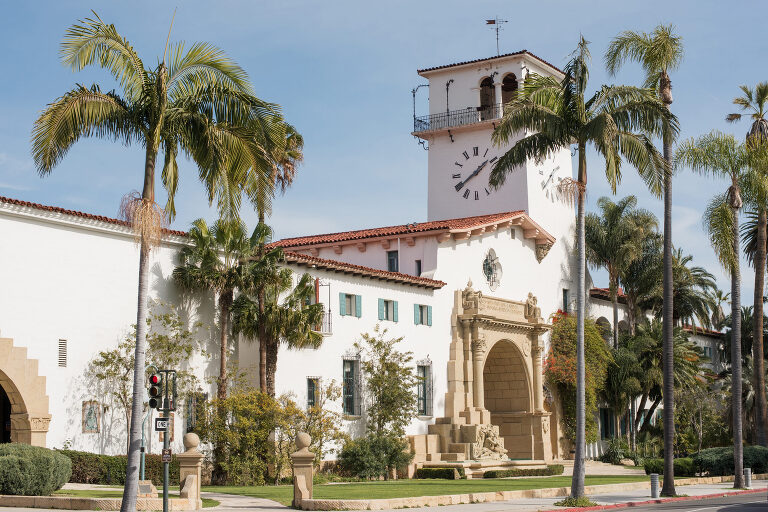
[325,327]
[453,118]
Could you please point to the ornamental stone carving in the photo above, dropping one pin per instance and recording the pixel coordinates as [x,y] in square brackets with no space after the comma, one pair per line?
[541,251]
[479,346]
[532,310]
[39,424]
[470,299]
[526,347]
[545,424]
[488,444]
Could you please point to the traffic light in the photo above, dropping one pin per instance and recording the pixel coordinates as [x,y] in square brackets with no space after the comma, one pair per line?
[155,391]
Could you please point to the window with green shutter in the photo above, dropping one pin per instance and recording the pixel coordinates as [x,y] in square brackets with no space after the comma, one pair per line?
[350,305]
[388,310]
[422,314]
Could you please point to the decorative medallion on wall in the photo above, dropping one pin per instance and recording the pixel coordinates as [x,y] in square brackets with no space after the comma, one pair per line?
[492,269]
[91,417]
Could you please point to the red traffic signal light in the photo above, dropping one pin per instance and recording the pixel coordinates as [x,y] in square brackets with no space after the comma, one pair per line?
[155,391]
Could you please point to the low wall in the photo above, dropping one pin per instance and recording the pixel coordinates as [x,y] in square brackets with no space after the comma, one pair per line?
[487,497]
[78,503]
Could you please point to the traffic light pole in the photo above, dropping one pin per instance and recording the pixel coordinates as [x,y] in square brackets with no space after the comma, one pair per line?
[166,465]
[162,396]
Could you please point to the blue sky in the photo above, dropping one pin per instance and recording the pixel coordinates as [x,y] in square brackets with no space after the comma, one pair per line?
[343,71]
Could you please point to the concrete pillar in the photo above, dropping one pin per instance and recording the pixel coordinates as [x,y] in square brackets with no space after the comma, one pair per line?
[469,373]
[478,357]
[538,387]
[303,469]
[190,465]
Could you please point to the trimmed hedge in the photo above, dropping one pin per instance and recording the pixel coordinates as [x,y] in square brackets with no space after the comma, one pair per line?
[719,461]
[92,468]
[32,470]
[447,473]
[683,466]
[551,470]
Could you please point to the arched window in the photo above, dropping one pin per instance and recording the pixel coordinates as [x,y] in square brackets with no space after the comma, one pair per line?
[508,87]
[487,97]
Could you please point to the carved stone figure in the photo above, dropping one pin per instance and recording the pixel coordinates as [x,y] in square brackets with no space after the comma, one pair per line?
[470,299]
[532,310]
[488,444]
[541,251]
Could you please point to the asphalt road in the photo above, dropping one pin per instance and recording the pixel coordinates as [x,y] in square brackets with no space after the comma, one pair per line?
[748,502]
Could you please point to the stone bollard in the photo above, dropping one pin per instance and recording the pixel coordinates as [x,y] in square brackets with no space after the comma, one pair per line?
[654,485]
[303,469]
[190,469]
[748,478]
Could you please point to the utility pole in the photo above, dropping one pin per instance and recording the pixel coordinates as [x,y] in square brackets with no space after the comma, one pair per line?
[162,396]
[496,22]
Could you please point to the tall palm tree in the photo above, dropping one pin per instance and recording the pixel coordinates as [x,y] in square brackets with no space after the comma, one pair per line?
[658,53]
[199,102]
[722,157]
[755,102]
[615,240]
[286,316]
[623,383]
[213,262]
[558,114]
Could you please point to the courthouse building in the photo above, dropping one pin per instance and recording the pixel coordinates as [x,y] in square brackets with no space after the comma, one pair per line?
[471,290]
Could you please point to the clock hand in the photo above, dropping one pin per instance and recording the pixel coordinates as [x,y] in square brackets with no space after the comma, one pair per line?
[475,173]
[549,179]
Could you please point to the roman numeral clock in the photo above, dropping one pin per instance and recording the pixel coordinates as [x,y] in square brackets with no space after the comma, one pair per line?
[471,171]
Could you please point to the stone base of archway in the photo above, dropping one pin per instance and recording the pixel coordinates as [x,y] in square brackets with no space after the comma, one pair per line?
[476,468]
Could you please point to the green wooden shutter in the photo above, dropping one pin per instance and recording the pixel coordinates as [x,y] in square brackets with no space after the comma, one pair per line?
[394,311]
[381,309]
[416,314]
[358,306]
[342,304]
[429,315]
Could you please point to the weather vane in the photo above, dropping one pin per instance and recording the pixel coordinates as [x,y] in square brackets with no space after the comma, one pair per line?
[496,22]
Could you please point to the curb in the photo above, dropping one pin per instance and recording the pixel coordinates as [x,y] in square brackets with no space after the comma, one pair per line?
[661,500]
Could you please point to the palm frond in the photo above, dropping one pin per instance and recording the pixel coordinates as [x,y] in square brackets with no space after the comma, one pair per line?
[718,221]
[203,65]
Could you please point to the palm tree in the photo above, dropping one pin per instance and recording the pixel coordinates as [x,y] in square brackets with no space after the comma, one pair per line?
[200,102]
[756,103]
[558,114]
[721,156]
[658,53]
[213,262]
[640,277]
[718,317]
[622,383]
[615,240]
[285,316]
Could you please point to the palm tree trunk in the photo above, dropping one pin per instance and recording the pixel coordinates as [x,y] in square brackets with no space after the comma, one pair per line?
[261,297]
[615,304]
[577,481]
[131,488]
[225,305]
[668,487]
[738,455]
[761,420]
[272,348]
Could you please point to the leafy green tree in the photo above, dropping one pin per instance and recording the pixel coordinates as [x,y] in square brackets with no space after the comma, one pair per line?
[285,315]
[640,278]
[198,102]
[614,121]
[390,383]
[622,383]
[721,156]
[169,345]
[214,262]
[658,53]
[615,240]
[755,102]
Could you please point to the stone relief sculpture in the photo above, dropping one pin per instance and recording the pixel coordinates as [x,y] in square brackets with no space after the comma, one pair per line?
[470,298]
[541,251]
[488,444]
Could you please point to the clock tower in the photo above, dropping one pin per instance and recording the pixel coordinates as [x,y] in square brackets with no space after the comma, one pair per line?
[465,104]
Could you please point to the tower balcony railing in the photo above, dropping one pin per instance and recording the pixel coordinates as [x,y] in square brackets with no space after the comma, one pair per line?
[325,326]
[454,118]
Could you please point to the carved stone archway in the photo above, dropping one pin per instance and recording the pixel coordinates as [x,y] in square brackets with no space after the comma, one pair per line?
[480,324]
[26,391]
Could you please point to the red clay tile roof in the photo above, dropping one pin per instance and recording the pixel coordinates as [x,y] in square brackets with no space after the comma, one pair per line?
[348,268]
[605,294]
[701,330]
[75,213]
[418,227]
[521,52]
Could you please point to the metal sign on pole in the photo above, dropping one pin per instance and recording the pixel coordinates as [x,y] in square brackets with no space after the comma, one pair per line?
[162,424]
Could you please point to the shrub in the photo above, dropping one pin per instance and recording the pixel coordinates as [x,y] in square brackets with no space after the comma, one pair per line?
[32,470]
[719,461]
[374,456]
[683,466]
[551,470]
[440,473]
[617,451]
[92,468]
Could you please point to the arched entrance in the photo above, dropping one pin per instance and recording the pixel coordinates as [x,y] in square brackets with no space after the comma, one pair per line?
[507,396]
[23,397]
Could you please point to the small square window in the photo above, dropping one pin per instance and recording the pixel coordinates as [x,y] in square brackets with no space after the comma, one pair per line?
[422,314]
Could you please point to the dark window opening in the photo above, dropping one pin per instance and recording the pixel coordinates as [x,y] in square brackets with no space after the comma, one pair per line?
[508,87]
[393,261]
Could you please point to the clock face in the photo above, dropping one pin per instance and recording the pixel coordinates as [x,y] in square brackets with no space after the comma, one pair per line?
[470,173]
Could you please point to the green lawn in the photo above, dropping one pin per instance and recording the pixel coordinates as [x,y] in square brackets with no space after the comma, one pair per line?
[106,493]
[411,488]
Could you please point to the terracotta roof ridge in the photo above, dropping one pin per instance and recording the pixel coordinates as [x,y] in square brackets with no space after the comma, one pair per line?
[511,54]
[76,213]
[372,272]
